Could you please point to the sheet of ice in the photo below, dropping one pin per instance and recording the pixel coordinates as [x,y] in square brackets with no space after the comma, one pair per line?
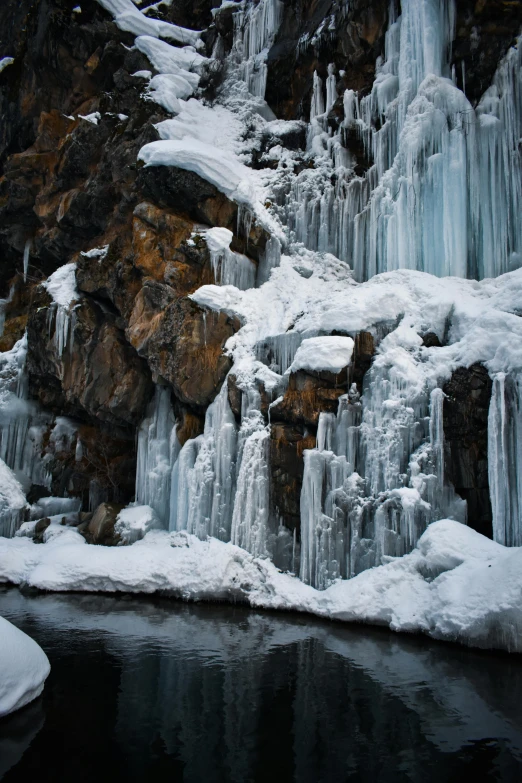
[323,353]
[24,668]
[456,585]
[61,285]
[131,19]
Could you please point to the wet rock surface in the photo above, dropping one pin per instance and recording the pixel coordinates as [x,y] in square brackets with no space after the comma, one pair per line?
[466,407]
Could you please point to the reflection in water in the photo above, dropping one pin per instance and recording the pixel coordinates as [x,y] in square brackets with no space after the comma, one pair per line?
[156,690]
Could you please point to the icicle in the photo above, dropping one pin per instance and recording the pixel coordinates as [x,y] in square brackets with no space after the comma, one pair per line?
[157,452]
[270,259]
[505,459]
[27,251]
[204,476]
[331,88]
[255,28]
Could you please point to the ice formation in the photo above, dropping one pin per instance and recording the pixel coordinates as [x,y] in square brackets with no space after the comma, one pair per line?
[427,240]
[24,667]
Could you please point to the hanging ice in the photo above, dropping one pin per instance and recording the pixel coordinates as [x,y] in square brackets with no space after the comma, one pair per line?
[505,459]
[255,27]
[158,448]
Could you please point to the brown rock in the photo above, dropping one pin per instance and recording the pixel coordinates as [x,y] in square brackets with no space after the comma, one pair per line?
[101,526]
[187,351]
[99,374]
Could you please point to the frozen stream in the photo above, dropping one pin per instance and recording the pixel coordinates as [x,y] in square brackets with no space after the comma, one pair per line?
[208,693]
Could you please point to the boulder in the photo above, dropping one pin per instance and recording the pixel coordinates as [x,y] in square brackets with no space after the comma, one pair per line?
[101,527]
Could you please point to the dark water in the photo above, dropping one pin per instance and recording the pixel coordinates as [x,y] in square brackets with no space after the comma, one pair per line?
[154,690]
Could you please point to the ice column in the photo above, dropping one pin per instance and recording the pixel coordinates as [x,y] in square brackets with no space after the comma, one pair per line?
[204,476]
[505,459]
[158,448]
[22,424]
[255,29]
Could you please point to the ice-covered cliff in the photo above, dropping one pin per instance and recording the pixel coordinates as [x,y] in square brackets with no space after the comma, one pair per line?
[262,268]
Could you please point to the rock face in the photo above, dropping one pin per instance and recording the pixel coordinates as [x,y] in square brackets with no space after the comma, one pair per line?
[352,41]
[466,406]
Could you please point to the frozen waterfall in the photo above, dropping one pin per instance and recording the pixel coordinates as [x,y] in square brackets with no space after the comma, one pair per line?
[443,188]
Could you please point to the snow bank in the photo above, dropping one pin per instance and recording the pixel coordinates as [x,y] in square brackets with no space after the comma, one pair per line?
[323,353]
[455,585]
[61,285]
[24,668]
[170,59]
[218,167]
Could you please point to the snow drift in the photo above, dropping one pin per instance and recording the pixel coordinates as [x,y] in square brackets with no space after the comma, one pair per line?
[455,585]
[24,668]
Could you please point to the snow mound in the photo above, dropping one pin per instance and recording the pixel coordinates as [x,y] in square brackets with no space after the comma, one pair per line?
[61,285]
[134,522]
[218,167]
[456,585]
[24,667]
[323,353]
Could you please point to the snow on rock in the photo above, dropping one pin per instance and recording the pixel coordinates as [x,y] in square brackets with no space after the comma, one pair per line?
[131,19]
[97,252]
[323,353]
[24,668]
[455,585]
[134,522]
[94,118]
[220,168]
[171,59]
[61,285]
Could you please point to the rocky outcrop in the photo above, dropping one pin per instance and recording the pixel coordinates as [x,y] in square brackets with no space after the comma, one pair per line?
[313,35]
[485,29]
[98,376]
[466,407]
[186,350]
[100,529]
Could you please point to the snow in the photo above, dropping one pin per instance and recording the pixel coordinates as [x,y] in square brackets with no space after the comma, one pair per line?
[98,252]
[93,118]
[5,61]
[24,667]
[220,169]
[131,19]
[134,522]
[170,59]
[61,285]
[323,353]
[455,585]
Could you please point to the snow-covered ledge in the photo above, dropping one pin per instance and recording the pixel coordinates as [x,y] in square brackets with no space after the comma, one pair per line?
[24,667]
